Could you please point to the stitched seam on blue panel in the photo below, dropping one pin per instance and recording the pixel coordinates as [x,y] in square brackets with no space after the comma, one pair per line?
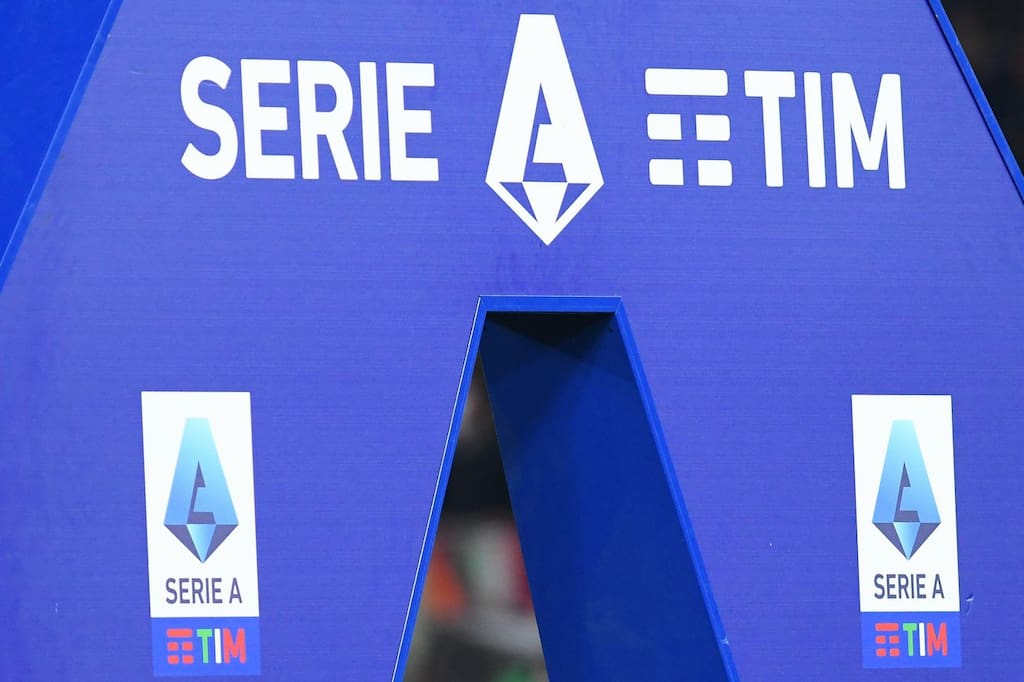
[979,95]
[10,249]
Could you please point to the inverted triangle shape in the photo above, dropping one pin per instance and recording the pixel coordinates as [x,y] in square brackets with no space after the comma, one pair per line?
[545,200]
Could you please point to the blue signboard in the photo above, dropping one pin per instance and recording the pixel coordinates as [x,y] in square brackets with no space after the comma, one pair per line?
[764,257]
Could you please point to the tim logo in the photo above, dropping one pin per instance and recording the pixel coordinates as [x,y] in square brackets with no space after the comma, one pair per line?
[205,646]
[201,533]
[542,161]
[910,639]
[908,567]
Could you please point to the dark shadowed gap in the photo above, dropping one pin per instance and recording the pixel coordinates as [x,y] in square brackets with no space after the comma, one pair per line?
[476,620]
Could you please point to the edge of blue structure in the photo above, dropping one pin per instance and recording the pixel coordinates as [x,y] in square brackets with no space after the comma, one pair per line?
[557,304]
[9,251]
[633,353]
[979,95]
[569,305]
[430,533]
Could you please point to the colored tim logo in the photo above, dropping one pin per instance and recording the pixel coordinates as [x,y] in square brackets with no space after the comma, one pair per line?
[201,533]
[206,646]
[906,531]
[201,649]
[183,640]
[913,640]
[898,639]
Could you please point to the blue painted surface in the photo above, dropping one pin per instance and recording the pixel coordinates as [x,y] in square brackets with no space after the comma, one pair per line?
[46,43]
[617,589]
[345,308]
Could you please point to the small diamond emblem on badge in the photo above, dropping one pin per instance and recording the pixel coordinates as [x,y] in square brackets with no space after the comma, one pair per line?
[199,511]
[905,509]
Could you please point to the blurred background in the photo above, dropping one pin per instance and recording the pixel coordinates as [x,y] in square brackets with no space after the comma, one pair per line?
[476,621]
[992,33]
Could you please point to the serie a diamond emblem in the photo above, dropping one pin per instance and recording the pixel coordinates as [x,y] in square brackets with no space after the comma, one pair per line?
[905,509]
[543,164]
[199,511]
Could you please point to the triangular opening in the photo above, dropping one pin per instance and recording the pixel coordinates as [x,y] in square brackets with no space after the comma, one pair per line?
[476,620]
[572,192]
[576,456]
[518,192]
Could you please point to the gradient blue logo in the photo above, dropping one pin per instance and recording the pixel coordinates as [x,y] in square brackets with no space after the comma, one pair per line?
[905,509]
[199,512]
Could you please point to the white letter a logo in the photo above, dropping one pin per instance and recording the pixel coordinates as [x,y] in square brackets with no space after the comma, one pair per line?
[542,163]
